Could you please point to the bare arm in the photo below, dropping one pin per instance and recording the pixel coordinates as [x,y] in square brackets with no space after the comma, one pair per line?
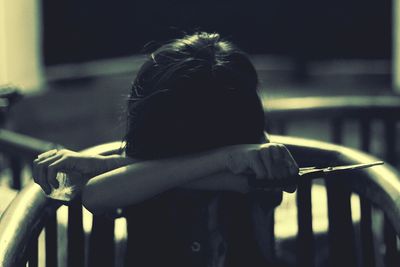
[142,180]
[222,181]
[221,169]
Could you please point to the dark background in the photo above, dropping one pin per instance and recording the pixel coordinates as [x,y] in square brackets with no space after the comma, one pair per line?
[76,31]
[299,48]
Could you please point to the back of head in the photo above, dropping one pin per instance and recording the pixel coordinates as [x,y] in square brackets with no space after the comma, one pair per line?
[192,94]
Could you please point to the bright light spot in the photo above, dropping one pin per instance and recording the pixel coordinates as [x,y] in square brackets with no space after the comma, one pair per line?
[355,207]
[286,217]
[120,229]
[87,220]
[319,202]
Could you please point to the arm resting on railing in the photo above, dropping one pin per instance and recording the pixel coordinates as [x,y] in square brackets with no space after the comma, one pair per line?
[220,169]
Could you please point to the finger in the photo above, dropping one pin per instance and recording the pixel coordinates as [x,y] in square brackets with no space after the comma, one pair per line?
[53,169]
[284,167]
[280,170]
[35,172]
[47,161]
[292,166]
[46,154]
[266,159]
[257,165]
[42,178]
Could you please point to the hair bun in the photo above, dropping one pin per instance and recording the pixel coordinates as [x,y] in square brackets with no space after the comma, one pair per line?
[205,46]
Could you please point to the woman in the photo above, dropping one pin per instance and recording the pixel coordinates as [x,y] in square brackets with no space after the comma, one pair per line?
[195,134]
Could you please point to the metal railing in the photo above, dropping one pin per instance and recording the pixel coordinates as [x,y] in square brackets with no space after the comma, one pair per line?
[378,187]
[365,112]
[31,211]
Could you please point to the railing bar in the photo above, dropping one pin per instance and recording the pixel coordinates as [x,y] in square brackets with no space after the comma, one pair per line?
[15,144]
[391,253]
[101,239]
[51,241]
[76,240]
[390,141]
[367,240]
[305,236]
[16,169]
[341,233]
[33,254]
[271,237]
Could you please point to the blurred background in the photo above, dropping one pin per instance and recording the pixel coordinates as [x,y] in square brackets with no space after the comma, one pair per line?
[74,61]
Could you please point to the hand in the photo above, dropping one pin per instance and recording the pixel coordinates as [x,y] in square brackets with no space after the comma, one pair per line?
[267,161]
[78,166]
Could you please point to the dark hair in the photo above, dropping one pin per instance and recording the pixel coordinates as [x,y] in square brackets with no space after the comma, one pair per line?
[192,94]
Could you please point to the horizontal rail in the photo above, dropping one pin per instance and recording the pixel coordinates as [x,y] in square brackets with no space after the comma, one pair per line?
[332,107]
[22,146]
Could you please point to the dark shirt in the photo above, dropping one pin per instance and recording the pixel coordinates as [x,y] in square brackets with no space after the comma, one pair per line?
[191,228]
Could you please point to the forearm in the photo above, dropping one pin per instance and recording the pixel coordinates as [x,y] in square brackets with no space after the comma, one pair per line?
[223,181]
[142,180]
[112,162]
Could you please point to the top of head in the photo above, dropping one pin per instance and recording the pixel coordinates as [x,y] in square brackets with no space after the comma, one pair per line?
[195,87]
[199,60]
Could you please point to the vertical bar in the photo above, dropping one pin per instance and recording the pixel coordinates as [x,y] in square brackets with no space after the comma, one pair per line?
[365,132]
[341,232]
[51,241]
[16,168]
[367,240]
[271,236]
[305,237]
[390,141]
[102,239]
[33,254]
[391,253]
[76,253]
[337,131]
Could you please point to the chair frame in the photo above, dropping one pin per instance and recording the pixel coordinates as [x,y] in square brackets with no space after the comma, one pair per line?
[31,211]
[378,186]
